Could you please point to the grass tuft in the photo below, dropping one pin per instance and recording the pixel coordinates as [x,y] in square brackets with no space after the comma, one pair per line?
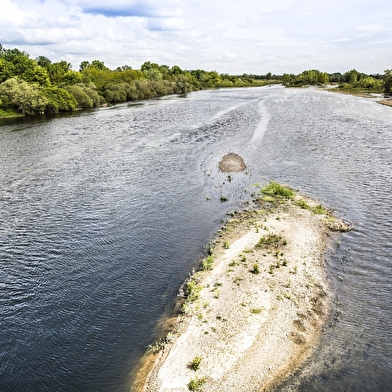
[319,210]
[208,263]
[302,204]
[195,364]
[271,239]
[196,383]
[274,189]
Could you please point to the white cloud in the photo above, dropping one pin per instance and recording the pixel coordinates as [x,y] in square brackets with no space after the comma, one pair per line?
[252,36]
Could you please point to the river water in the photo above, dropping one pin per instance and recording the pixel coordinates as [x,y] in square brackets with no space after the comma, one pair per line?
[103,214]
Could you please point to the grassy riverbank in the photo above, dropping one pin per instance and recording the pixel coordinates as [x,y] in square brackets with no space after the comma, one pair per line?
[255,309]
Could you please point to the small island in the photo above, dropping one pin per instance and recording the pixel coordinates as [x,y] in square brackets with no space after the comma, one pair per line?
[255,309]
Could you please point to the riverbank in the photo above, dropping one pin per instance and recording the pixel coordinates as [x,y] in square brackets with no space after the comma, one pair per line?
[361,94]
[255,311]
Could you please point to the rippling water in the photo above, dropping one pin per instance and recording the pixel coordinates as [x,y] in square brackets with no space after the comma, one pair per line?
[103,214]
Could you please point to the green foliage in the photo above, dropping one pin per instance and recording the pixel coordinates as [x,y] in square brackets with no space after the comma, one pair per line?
[319,209]
[17,64]
[208,263]
[59,100]
[81,97]
[94,83]
[195,364]
[9,113]
[256,269]
[271,239]
[26,98]
[192,290]
[302,204]
[85,96]
[388,81]
[70,78]
[196,383]
[277,190]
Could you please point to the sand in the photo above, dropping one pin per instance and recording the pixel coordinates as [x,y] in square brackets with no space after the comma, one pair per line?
[260,309]
[231,162]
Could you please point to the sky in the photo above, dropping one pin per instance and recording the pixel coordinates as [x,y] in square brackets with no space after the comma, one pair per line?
[234,37]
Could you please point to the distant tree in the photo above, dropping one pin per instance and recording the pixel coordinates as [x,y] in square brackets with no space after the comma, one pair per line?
[336,77]
[99,65]
[176,70]
[38,75]
[71,78]
[124,68]
[388,81]
[83,65]
[43,62]
[15,63]
[351,76]
[312,77]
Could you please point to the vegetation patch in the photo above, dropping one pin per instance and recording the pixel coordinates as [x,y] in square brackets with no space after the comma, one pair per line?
[271,240]
[302,204]
[319,209]
[195,364]
[196,383]
[208,263]
[274,189]
[192,290]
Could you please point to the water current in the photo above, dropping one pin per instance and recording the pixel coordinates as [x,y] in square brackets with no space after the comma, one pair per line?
[103,214]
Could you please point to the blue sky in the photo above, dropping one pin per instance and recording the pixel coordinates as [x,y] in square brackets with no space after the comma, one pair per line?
[251,36]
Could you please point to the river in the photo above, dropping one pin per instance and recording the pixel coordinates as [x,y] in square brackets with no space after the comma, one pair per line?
[104,213]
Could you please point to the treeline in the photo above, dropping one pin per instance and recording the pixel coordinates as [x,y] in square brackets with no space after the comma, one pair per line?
[351,80]
[31,86]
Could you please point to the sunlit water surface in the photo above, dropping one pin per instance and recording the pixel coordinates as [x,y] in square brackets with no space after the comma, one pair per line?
[103,214]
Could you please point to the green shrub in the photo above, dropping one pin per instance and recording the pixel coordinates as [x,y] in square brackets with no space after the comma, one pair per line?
[195,364]
[320,210]
[192,290]
[82,98]
[59,100]
[208,263]
[256,269]
[277,190]
[302,204]
[196,383]
[271,239]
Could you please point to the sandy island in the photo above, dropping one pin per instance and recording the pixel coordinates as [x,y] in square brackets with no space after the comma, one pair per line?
[255,311]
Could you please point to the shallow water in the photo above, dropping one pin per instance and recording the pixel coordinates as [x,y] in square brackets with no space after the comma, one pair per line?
[103,214]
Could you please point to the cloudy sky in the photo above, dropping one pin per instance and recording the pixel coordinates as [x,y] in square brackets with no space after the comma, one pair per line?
[235,37]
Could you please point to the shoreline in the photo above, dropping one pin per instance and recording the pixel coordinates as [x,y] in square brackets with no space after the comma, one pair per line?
[254,313]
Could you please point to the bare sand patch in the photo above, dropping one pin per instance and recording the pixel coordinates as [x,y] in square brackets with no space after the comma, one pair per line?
[258,313]
[386,102]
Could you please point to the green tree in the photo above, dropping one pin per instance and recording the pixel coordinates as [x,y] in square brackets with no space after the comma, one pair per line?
[59,100]
[388,81]
[71,78]
[351,77]
[43,62]
[27,98]
[99,65]
[83,65]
